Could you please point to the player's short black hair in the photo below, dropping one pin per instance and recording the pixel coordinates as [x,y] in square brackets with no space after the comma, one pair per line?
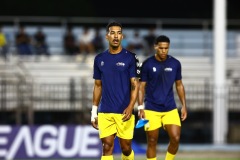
[162,38]
[114,23]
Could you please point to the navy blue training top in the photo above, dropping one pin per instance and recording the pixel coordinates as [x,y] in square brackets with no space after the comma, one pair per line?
[115,71]
[160,78]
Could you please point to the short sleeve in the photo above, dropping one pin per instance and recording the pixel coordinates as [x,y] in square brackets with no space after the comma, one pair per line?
[96,71]
[143,73]
[179,71]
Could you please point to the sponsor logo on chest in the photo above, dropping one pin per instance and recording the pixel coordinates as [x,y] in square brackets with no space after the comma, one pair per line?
[120,64]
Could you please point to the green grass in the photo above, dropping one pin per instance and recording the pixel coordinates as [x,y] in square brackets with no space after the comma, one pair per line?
[194,156]
[159,158]
[207,159]
[201,155]
[162,158]
[143,158]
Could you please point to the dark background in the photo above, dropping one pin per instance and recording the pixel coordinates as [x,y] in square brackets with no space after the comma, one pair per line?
[196,9]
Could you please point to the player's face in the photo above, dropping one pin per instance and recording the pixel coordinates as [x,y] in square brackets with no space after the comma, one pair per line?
[162,50]
[114,36]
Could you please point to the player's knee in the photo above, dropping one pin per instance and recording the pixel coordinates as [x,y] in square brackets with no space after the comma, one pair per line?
[152,141]
[175,139]
[107,148]
[126,150]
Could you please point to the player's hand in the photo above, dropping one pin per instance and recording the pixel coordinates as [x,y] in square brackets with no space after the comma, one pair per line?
[127,113]
[94,117]
[183,113]
[141,114]
[95,123]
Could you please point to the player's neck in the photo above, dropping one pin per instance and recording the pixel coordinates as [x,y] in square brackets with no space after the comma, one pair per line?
[114,50]
[158,58]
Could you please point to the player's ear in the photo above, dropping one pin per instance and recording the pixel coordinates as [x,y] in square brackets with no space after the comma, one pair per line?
[155,47]
[106,36]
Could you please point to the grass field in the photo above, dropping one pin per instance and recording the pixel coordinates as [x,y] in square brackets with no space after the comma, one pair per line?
[211,155]
[190,158]
[183,155]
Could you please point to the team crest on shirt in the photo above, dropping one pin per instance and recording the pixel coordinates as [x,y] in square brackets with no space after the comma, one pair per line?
[120,64]
[154,69]
[168,69]
[102,63]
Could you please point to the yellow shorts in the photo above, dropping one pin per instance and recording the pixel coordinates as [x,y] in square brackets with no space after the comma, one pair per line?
[111,123]
[159,119]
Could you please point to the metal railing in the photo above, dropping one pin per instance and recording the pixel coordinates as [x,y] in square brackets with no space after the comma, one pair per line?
[77,96]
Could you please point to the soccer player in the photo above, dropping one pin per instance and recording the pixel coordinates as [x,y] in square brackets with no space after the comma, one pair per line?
[156,101]
[114,94]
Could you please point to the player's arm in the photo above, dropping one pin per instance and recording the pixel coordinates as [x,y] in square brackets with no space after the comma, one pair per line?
[134,91]
[181,94]
[97,93]
[141,95]
[133,98]
[141,91]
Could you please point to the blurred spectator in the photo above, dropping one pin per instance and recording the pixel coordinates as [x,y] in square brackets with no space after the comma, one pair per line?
[149,41]
[40,45]
[69,41]
[23,42]
[98,42]
[238,44]
[136,43]
[85,41]
[125,42]
[3,44]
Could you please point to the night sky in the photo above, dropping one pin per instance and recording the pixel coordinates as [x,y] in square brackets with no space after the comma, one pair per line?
[202,9]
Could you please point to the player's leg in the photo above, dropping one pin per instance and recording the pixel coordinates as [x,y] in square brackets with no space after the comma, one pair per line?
[125,133]
[107,147]
[126,147]
[107,133]
[152,140]
[172,125]
[174,138]
[152,132]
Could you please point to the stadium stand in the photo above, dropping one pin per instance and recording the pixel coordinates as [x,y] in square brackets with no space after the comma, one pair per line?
[192,47]
[41,89]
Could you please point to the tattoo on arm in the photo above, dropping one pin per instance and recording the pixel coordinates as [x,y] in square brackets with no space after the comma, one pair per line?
[133,86]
